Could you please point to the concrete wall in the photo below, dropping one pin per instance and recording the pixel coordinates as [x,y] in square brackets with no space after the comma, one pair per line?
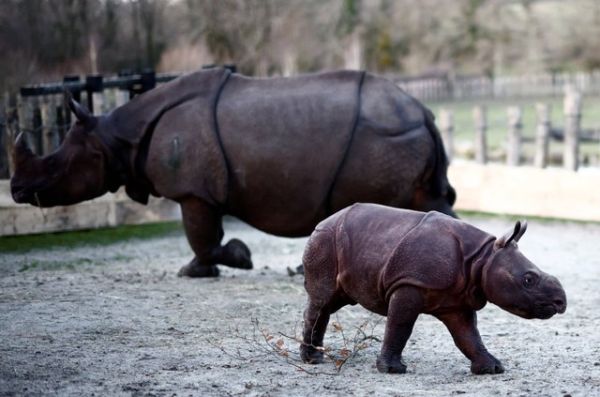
[548,192]
[108,210]
[495,188]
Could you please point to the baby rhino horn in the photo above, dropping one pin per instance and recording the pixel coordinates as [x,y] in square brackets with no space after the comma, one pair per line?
[515,234]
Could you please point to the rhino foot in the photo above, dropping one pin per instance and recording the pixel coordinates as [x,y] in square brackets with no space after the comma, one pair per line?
[236,254]
[310,355]
[489,365]
[194,269]
[390,366]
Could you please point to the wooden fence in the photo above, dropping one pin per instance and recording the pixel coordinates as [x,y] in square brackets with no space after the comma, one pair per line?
[571,135]
[447,87]
[40,113]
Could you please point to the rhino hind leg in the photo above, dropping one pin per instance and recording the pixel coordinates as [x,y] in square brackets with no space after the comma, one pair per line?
[316,318]
[195,269]
[236,254]
[204,231]
[324,297]
[404,308]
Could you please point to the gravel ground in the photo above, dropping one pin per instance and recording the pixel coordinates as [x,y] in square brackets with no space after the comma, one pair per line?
[115,320]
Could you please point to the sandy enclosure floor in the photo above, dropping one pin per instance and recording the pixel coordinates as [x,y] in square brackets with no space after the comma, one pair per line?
[117,321]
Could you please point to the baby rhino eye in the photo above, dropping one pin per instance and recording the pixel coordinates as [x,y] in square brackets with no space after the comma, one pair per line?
[529,280]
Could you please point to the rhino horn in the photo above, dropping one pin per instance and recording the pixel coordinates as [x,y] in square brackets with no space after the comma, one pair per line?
[82,114]
[22,152]
[513,234]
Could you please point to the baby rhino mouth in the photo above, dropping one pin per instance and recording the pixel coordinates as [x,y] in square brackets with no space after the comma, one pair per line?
[548,309]
[544,311]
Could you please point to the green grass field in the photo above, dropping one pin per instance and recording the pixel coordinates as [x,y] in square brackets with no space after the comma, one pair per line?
[20,244]
[464,130]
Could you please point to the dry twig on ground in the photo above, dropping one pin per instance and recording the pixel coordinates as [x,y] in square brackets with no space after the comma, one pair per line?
[262,342]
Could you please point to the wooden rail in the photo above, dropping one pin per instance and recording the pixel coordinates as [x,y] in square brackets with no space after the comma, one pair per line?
[40,113]
[448,87]
[571,135]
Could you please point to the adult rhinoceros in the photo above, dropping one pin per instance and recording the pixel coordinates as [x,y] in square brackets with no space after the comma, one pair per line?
[280,154]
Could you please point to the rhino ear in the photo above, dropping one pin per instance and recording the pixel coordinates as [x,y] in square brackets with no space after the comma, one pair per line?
[522,230]
[513,234]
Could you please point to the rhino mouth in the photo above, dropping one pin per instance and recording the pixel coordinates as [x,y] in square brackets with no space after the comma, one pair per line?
[23,194]
[20,195]
[547,310]
[544,311]
[27,195]
[541,311]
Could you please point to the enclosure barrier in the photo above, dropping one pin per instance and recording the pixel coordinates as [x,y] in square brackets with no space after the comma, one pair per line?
[571,136]
[495,188]
[483,185]
[447,86]
[526,191]
[40,113]
[106,211]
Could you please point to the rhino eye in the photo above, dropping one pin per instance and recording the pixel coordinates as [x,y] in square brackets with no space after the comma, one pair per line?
[529,280]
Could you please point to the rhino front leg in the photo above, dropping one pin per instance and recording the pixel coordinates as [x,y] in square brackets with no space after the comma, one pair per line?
[204,231]
[404,307]
[463,327]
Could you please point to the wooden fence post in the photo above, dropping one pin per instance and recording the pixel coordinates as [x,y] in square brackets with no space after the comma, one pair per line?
[572,111]
[515,128]
[37,126]
[4,137]
[49,133]
[95,96]
[122,97]
[25,112]
[447,130]
[98,103]
[11,129]
[62,124]
[479,116]
[542,135]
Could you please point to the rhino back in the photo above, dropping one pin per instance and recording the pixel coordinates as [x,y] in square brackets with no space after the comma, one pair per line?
[391,150]
[437,254]
[284,139]
[366,238]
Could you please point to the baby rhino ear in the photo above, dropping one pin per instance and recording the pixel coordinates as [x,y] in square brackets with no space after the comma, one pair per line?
[516,234]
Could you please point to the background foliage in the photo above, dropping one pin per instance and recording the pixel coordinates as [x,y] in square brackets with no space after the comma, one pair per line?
[44,39]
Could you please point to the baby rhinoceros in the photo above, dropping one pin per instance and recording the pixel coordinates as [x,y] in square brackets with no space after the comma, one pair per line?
[401,263]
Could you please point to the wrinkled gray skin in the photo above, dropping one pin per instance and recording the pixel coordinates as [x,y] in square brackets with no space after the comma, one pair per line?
[271,152]
[401,263]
